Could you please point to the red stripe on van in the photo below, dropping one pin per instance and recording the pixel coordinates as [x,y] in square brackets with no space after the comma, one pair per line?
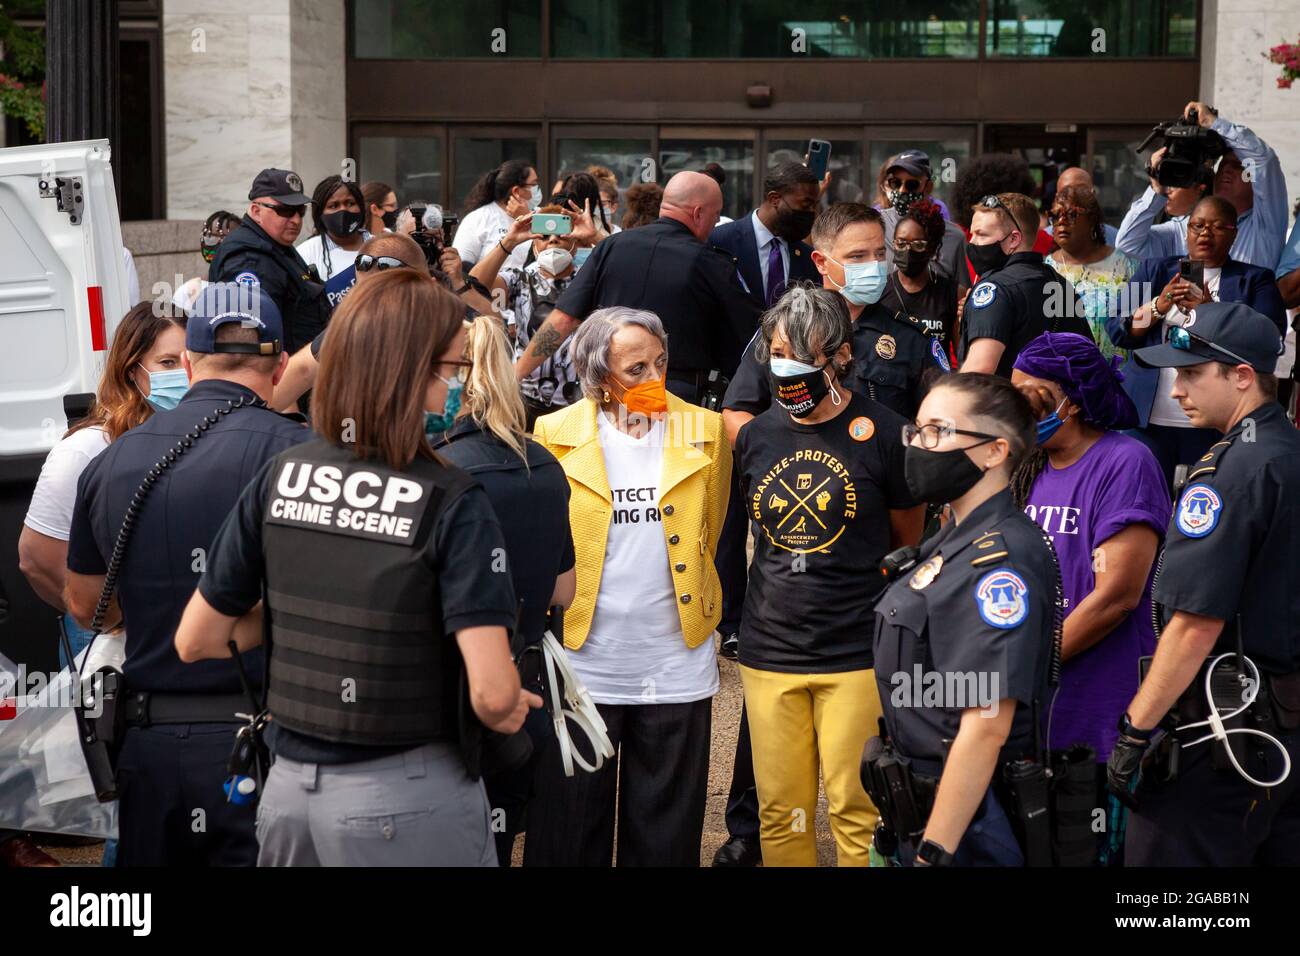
[98,334]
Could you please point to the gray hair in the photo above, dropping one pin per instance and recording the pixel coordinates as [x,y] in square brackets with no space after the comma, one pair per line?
[814,321]
[590,349]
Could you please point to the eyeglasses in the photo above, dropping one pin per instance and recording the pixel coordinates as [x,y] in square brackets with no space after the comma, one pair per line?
[916,245]
[1066,215]
[284,212]
[1217,228]
[1182,340]
[931,434]
[910,185]
[462,368]
[380,263]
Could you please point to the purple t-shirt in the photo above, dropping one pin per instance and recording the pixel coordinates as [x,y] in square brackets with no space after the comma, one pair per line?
[1116,483]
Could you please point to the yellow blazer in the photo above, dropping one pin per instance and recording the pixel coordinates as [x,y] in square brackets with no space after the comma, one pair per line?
[693,491]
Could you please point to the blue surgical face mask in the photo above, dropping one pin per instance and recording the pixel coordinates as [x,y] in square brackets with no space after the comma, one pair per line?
[786,368]
[435,423]
[166,389]
[864,282]
[1050,425]
[580,256]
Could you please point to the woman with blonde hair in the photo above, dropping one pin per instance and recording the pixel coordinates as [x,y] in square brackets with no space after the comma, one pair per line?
[530,496]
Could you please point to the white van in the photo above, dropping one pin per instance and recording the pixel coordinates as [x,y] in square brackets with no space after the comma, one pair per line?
[63,290]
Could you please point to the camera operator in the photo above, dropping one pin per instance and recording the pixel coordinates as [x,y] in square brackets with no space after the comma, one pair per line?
[1249,176]
[431,229]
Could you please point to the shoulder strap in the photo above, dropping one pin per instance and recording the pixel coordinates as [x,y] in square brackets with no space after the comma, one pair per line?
[1208,463]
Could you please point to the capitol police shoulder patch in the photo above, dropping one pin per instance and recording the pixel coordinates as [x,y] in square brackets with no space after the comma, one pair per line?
[248,278]
[1000,596]
[1198,511]
[940,357]
[984,294]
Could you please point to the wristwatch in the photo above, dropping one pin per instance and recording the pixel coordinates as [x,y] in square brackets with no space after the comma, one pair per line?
[465,288]
[1127,729]
[930,853]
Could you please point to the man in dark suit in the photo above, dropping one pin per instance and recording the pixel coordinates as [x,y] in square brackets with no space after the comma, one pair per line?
[768,244]
[1211,230]
[668,268]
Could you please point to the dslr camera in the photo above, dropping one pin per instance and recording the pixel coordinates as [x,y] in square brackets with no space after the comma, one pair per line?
[1188,146]
[433,230]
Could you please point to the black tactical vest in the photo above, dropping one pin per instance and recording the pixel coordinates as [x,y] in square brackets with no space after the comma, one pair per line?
[357,649]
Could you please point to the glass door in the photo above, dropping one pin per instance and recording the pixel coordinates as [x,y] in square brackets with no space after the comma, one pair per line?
[788,144]
[1118,170]
[694,147]
[477,149]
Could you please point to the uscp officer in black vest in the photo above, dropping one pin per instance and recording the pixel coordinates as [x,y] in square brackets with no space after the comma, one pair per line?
[385,573]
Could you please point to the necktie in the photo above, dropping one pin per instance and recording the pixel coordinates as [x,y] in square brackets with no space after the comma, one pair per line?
[775,272]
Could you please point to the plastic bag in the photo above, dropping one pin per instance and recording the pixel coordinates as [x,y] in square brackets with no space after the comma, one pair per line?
[44,783]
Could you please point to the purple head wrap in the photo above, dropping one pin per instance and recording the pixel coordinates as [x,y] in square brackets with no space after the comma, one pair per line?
[1090,381]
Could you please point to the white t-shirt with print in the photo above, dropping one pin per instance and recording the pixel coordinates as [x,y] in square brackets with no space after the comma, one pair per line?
[1165,410]
[50,511]
[312,251]
[482,229]
[635,652]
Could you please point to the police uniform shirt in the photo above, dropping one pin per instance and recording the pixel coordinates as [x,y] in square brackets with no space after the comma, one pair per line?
[175,526]
[1233,545]
[970,624]
[691,286]
[893,363]
[465,550]
[1018,303]
[531,503]
[819,498]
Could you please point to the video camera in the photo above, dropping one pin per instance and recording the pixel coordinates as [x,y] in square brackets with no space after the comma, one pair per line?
[1188,145]
[429,219]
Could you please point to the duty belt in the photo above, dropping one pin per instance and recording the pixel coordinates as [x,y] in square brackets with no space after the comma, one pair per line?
[145,708]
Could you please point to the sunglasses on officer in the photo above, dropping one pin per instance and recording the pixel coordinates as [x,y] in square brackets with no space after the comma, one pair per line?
[991,201]
[380,263]
[1182,340]
[284,212]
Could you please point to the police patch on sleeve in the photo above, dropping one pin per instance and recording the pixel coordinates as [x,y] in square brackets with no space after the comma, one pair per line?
[1198,511]
[357,501]
[984,293]
[248,278]
[1000,596]
[940,357]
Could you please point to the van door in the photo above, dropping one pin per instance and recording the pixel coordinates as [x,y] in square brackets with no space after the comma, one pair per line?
[62,285]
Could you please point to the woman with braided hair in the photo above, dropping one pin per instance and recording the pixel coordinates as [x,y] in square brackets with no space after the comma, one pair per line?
[917,290]
[1102,498]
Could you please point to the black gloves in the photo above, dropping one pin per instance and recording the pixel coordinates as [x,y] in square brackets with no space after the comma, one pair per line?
[1126,760]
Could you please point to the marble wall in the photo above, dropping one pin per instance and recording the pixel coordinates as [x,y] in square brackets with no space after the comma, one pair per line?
[249,84]
[1241,84]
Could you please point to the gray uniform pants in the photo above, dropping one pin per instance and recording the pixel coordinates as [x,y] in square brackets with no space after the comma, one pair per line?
[417,808]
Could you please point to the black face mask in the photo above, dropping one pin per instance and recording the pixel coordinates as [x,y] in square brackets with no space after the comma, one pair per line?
[940,476]
[793,225]
[390,219]
[910,262]
[341,223]
[986,259]
[799,394]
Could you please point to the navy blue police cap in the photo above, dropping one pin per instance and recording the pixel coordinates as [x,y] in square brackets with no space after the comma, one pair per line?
[1228,332]
[222,303]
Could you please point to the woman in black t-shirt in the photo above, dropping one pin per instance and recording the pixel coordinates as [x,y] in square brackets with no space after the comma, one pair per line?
[915,288]
[821,474]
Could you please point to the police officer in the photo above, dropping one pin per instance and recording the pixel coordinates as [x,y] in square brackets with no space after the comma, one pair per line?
[666,268]
[894,357]
[198,456]
[1226,585]
[1016,296]
[261,250]
[384,569]
[970,624]
[893,361]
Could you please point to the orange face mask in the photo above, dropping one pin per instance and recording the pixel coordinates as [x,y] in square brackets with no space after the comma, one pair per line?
[648,398]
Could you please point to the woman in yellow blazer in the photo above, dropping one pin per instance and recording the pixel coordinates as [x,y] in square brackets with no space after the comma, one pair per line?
[649,475]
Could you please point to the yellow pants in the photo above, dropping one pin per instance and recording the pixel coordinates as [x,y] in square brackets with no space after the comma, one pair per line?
[797,721]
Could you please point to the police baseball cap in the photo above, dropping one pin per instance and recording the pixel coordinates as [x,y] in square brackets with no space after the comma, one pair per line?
[282,185]
[913,160]
[222,303]
[1218,332]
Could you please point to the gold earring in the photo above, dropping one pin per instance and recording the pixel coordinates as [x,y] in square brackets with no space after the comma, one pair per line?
[604,396]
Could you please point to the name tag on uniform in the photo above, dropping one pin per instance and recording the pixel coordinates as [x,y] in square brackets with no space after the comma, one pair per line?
[352,500]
